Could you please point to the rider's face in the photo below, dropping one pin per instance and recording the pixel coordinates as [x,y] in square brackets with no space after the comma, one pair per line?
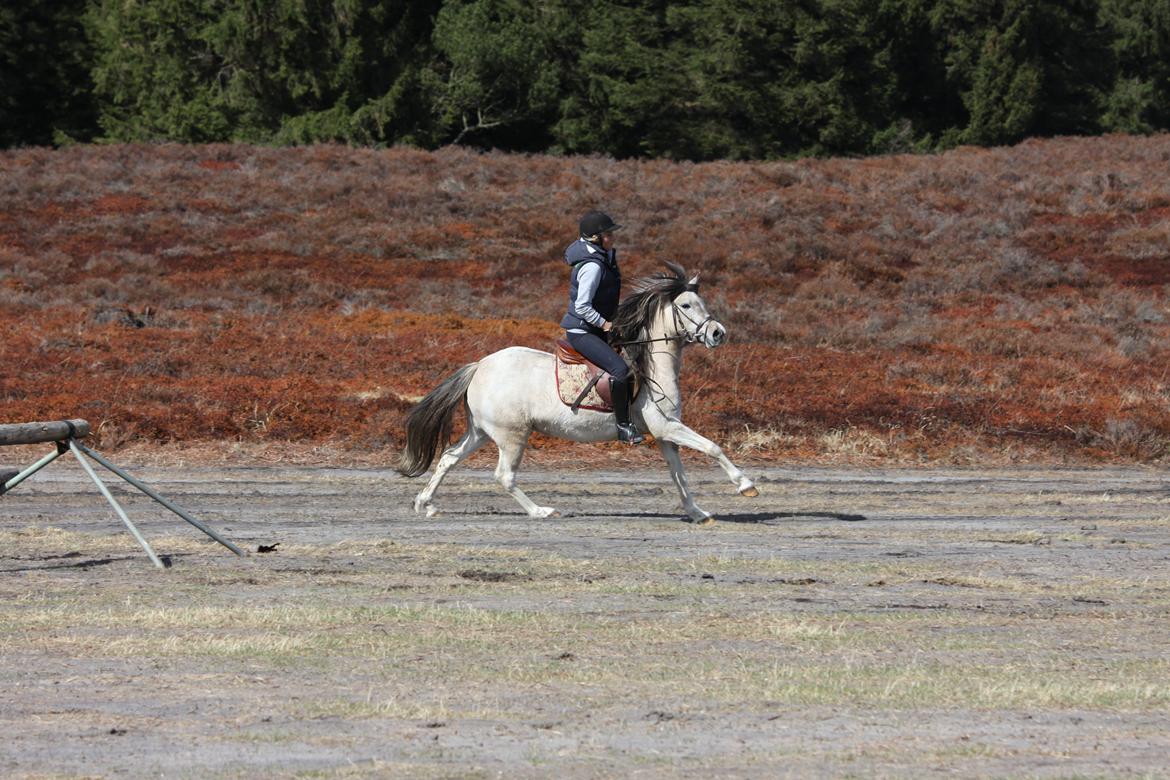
[607,240]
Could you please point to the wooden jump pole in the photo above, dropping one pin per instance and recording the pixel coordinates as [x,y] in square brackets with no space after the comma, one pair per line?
[65,434]
[40,432]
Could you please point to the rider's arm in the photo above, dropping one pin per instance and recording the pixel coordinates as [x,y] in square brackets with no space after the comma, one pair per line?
[588,279]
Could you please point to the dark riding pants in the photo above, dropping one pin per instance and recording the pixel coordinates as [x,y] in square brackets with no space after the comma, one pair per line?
[601,354]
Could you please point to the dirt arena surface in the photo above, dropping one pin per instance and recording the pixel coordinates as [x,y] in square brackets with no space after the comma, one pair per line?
[846,623]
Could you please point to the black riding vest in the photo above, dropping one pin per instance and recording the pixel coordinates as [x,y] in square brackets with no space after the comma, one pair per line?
[609,291]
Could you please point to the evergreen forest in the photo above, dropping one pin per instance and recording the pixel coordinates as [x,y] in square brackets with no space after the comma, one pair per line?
[717,79]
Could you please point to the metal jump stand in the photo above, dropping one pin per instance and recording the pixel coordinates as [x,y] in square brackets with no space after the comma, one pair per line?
[66,434]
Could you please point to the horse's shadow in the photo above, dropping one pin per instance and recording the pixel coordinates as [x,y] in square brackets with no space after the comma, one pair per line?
[773,518]
[747,518]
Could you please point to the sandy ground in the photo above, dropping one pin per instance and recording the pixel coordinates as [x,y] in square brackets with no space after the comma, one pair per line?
[845,623]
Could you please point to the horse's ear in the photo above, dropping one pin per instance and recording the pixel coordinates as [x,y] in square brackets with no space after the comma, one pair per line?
[693,284]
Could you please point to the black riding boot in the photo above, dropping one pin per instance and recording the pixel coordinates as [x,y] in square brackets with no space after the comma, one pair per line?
[621,409]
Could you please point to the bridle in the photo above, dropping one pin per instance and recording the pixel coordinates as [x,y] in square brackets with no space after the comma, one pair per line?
[688,336]
[691,337]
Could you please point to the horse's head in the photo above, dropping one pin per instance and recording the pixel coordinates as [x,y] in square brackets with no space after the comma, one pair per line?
[692,319]
[665,307]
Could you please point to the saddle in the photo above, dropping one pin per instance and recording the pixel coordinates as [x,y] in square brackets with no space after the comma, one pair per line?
[580,384]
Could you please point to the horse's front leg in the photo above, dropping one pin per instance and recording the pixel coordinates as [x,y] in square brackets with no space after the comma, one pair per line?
[673,430]
[679,477]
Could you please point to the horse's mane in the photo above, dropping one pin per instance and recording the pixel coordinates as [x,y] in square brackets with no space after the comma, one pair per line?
[636,310]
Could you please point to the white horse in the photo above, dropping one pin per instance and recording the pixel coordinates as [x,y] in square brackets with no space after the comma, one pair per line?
[511,393]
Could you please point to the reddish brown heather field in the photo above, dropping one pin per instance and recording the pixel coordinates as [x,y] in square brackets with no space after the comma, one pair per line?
[1004,305]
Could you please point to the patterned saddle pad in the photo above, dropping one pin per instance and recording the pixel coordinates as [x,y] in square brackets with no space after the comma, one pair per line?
[574,373]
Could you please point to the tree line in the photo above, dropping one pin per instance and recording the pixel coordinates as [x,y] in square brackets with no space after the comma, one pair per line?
[717,79]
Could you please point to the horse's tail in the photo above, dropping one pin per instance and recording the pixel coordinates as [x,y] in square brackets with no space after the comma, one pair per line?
[428,425]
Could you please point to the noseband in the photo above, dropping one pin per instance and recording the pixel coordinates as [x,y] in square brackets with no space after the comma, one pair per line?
[691,337]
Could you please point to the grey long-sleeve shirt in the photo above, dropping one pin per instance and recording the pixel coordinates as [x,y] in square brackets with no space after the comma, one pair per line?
[588,278]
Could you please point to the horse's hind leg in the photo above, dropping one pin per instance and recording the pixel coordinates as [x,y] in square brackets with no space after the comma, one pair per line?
[511,452]
[451,457]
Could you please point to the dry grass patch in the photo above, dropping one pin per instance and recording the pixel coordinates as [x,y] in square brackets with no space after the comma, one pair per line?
[753,440]
[38,541]
[897,659]
[911,683]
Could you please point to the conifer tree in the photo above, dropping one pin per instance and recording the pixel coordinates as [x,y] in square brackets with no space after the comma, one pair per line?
[261,70]
[45,90]
[1139,101]
[494,79]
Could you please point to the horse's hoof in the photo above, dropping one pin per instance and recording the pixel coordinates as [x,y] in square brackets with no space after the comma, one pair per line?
[749,492]
[543,512]
[432,510]
[706,521]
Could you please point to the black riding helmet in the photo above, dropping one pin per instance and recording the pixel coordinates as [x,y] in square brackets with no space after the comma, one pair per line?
[595,223]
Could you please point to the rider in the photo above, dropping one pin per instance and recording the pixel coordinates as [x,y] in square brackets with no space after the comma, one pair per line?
[595,286]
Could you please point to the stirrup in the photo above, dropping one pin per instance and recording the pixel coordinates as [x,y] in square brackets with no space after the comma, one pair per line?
[629,434]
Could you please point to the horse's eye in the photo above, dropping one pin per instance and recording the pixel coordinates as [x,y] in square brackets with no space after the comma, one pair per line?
[686,306]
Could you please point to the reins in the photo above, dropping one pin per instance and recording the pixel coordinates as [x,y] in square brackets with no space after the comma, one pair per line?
[657,395]
[690,338]
[645,341]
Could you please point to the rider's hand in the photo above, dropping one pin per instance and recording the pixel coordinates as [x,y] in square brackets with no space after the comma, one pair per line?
[607,327]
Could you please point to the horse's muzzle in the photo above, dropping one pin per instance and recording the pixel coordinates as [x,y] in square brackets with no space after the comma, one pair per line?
[714,335]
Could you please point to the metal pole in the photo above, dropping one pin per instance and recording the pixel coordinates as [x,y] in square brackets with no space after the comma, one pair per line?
[33,469]
[109,497]
[158,498]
